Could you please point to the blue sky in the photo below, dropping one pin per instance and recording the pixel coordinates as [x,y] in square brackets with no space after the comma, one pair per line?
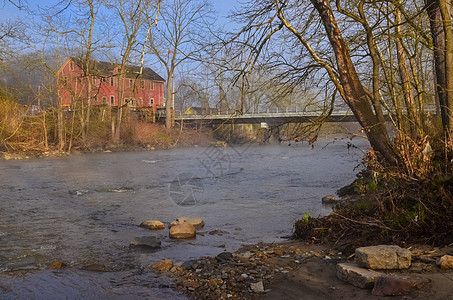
[9,11]
[222,7]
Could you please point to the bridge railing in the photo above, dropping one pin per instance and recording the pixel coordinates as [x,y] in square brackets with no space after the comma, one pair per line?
[233,112]
[264,113]
[272,112]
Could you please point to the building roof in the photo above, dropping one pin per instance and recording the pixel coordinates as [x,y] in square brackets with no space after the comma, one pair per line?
[105,69]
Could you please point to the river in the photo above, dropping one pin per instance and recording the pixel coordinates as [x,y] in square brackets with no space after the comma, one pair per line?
[85,209]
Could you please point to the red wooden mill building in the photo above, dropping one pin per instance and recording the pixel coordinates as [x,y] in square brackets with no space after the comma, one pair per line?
[144,91]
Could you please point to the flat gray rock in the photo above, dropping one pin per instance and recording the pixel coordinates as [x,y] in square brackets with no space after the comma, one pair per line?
[357,276]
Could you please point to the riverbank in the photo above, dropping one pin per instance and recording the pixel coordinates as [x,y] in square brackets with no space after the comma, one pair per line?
[139,136]
[146,137]
[299,270]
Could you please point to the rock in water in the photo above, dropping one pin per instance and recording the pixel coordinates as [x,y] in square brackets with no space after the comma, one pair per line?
[146,241]
[163,266]
[153,225]
[383,257]
[183,231]
[95,268]
[445,262]
[329,199]
[391,285]
[198,223]
[56,265]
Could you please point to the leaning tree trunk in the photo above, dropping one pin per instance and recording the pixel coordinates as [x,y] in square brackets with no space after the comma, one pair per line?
[356,96]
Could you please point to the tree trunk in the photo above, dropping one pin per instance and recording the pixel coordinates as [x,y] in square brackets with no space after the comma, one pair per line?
[371,43]
[169,109]
[405,78]
[445,8]
[356,96]
[60,127]
[439,44]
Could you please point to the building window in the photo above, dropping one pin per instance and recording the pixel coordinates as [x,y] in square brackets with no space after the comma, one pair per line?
[112,100]
[71,66]
[112,82]
[103,79]
[152,85]
[104,100]
[142,84]
[140,101]
[65,80]
[151,101]
[130,83]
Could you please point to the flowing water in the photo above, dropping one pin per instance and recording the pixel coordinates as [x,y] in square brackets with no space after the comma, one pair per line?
[86,209]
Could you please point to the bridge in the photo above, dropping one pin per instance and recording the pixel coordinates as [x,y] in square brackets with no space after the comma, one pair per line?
[270,117]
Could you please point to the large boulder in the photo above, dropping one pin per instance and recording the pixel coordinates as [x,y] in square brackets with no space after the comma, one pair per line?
[153,224]
[392,285]
[151,242]
[359,277]
[383,257]
[183,231]
[198,223]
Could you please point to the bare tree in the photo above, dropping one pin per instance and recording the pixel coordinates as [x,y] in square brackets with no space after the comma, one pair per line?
[179,38]
[134,16]
[89,10]
[267,20]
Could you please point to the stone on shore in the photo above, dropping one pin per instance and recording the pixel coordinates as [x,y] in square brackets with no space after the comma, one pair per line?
[445,262]
[224,256]
[146,242]
[257,287]
[383,257]
[163,266]
[198,223]
[359,277]
[329,199]
[183,231]
[392,285]
[153,224]
[191,284]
